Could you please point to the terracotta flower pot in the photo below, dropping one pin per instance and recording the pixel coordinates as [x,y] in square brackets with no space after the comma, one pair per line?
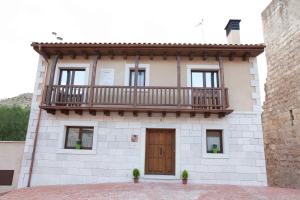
[184,181]
[135,180]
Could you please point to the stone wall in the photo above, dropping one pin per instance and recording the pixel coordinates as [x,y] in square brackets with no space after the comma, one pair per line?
[115,156]
[281,116]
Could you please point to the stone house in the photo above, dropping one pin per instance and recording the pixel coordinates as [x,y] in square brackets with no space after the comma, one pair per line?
[101,109]
[281,116]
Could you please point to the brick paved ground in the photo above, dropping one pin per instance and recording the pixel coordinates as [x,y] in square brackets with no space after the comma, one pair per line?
[149,190]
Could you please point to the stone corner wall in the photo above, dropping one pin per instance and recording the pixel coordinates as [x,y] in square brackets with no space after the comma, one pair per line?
[33,118]
[281,116]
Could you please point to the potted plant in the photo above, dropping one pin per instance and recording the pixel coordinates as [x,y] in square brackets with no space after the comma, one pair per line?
[136,175]
[215,148]
[184,176]
[78,144]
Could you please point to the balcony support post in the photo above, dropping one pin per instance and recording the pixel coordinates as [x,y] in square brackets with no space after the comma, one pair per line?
[136,68]
[93,79]
[51,79]
[221,72]
[178,81]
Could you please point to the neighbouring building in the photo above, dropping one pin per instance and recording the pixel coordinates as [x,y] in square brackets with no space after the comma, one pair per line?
[281,116]
[107,108]
[11,153]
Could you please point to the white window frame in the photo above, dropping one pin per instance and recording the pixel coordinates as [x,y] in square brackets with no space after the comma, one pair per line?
[62,137]
[189,69]
[128,67]
[225,140]
[84,66]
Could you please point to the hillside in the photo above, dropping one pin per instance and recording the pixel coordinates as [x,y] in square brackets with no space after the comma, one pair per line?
[23,100]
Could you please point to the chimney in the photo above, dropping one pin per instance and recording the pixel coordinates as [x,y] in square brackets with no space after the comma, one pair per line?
[233,31]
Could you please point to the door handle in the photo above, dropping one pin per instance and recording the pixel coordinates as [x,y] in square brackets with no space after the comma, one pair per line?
[161,152]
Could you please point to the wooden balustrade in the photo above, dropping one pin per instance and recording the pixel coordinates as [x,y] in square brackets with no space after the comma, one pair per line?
[152,96]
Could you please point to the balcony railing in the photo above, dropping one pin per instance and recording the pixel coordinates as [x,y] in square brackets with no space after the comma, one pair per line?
[136,97]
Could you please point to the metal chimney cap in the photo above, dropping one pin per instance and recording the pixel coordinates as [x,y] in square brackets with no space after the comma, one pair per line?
[233,24]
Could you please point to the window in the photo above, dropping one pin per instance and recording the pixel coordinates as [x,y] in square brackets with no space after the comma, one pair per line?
[71,77]
[79,135]
[204,79]
[214,140]
[6,177]
[141,77]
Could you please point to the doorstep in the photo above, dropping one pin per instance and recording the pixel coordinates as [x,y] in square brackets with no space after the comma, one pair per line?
[160,177]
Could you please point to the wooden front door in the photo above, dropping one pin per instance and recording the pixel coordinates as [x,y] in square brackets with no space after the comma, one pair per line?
[160,151]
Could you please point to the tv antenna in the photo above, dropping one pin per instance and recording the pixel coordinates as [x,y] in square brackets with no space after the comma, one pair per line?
[56,36]
[201,24]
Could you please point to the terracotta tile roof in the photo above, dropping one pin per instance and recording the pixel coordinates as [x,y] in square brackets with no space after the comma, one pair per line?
[143,49]
[90,44]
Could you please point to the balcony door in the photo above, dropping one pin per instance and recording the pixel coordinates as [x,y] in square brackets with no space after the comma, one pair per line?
[208,79]
[71,90]
[203,95]
[141,77]
[71,77]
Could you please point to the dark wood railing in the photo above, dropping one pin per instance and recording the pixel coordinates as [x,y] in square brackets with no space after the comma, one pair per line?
[152,96]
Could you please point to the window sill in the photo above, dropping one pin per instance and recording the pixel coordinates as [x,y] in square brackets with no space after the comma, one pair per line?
[216,155]
[76,151]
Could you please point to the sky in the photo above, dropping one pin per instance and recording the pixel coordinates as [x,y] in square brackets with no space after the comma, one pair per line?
[25,21]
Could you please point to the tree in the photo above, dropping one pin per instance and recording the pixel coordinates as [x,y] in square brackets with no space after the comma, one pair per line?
[13,123]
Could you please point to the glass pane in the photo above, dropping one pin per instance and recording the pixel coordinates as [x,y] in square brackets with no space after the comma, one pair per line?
[216,79]
[63,77]
[208,79]
[213,138]
[87,138]
[131,78]
[79,78]
[141,78]
[197,79]
[73,136]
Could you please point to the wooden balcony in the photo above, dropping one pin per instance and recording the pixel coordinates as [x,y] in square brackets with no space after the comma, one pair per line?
[136,99]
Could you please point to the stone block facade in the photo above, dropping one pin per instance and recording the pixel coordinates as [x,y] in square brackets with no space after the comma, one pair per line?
[281,116]
[114,155]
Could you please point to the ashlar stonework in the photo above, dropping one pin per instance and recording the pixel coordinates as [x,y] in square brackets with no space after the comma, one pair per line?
[281,116]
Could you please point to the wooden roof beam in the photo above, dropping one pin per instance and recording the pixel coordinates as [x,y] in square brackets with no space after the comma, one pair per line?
[66,112]
[191,56]
[165,57]
[218,55]
[246,56]
[151,57]
[78,112]
[85,54]
[206,115]
[124,53]
[106,113]
[72,54]
[204,55]
[93,112]
[231,56]
[112,55]
[192,114]
[60,54]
